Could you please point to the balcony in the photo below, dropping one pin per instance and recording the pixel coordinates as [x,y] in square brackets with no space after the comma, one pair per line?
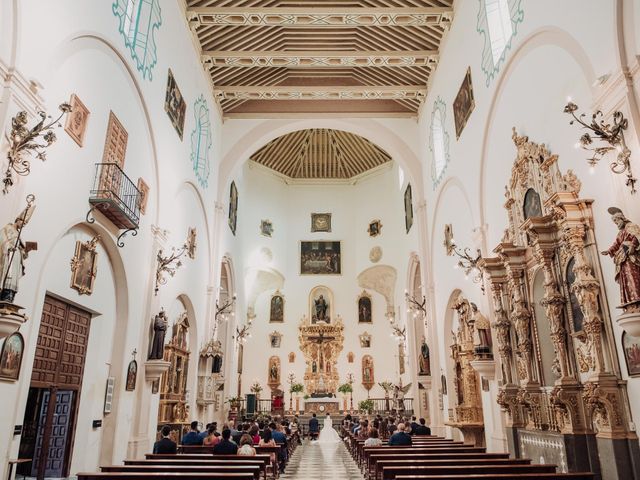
[116,196]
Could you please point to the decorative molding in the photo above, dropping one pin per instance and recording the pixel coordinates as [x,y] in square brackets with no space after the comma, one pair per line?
[320,17]
[439,106]
[380,92]
[201,140]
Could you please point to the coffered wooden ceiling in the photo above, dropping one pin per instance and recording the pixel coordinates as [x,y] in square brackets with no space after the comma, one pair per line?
[291,58]
[321,154]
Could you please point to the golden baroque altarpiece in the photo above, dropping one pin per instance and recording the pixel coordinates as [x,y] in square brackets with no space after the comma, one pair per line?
[550,232]
[321,344]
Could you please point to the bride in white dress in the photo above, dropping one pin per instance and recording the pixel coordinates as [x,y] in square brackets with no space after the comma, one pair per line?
[328,434]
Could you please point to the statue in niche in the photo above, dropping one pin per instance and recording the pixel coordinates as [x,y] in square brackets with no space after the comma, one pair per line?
[322,308]
[14,251]
[424,360]
[481,333]
[217,364]
[274,371]
[626,255]
[160,324]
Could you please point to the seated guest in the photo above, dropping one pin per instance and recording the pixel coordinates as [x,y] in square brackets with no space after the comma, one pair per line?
[422,429]
[253,433]
[373,440]
[413,426]
[400,437]
[165,444]
[363,431]
[391,426]
[204,433]
[193,437]
[226,446]
[246,446]
[268,441]
[212,438]
[236,433]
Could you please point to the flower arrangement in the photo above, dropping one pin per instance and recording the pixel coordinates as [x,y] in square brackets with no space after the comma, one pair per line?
[234,402]
[345,388]
[296,388]
[256,387]
[366,406]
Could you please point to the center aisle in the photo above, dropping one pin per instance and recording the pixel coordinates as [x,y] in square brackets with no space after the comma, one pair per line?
[313,461]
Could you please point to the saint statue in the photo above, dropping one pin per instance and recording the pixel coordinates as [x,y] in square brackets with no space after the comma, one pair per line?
[481,332]
[160,324]
[321,309]
[626,255]
[273,372]
[13,253]
[425,361]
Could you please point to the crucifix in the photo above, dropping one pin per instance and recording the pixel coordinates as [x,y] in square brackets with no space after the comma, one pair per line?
[319,340]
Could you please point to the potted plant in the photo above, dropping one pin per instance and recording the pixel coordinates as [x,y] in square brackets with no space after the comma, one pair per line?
[345,388]
[366,406]
[256,388]
[296,388]
[234,402]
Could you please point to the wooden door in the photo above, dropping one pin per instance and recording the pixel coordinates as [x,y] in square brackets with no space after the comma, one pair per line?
[60,434]
[58,371]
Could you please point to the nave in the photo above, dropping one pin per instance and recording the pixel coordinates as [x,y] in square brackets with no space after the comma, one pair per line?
[323,462]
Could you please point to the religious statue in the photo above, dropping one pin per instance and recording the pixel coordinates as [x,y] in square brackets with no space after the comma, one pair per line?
[481,333]
[273,373]
[424,360]
[14,251]
[160,324]
[321,309]
[626,255]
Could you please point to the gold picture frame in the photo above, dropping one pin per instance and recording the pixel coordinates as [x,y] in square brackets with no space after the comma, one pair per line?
[84,266]
[77,119]
[320,222]
[463,104]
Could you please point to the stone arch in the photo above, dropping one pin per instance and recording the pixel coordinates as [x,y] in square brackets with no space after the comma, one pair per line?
[194,347]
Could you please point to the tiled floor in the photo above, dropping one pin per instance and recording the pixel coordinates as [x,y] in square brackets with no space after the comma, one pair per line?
[313,461]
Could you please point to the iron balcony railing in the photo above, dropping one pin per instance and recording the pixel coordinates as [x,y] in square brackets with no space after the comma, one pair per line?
[116,196]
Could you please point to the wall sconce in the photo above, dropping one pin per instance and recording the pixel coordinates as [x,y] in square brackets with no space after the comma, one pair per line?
[224,311]
[465,261]
[415,306]
[612,134]
[400,334]
[243,334]
[24,140]
[168,265]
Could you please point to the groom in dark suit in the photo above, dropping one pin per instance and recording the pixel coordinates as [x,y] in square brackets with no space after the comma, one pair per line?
[314,428]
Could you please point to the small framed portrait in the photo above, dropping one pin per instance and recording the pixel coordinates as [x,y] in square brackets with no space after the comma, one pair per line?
[84,266]
[320,258]
[320,222]
[233,207]
[174,105]
[11,357]
[292,357]
[275,339]
[266,228]
[191,242]
[364,308]
[132,375]
[408,208]
[365,340]
[77,118]
[631,347]
[276,309]
[143,188]
[463,104]
[375,227]
[350,357]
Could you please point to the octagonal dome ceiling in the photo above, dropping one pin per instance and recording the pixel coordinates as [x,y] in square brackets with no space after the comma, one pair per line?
[321,154]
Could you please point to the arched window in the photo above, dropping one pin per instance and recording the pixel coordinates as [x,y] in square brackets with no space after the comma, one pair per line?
[201,142]
[438,142]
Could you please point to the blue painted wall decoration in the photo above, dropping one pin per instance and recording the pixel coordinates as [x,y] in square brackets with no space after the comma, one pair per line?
[139,20]
[500,18]
[201,140]
[438,142]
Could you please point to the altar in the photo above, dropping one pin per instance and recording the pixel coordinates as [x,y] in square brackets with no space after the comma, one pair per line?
[322,405]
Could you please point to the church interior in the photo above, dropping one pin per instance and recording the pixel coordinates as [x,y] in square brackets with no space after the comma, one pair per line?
[375,213]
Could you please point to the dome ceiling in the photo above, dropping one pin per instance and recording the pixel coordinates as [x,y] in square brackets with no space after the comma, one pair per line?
[321,154]
[270,58]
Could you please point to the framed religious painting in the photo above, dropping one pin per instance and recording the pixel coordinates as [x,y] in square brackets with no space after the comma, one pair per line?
[174,105]
[11,357]
[191,242]
[233,207]
[320,258]
[365,340]
[408,208]
[143,198]
[77,119]
[275,339]
[276,308]
[631,348]
[266,228]
[375,227]
[364,308]
[132,375]
[463,104]
[84,266]
[320,222]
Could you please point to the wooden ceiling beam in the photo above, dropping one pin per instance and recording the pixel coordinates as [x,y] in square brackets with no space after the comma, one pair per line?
[364,92]
[320,17]
[319,59]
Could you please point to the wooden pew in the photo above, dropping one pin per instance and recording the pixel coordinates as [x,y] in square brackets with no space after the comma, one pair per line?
[186,469]
[164,476]
[390,473]
[261,461]
[411,462]
[520,476]
[419,449]
[452,457]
